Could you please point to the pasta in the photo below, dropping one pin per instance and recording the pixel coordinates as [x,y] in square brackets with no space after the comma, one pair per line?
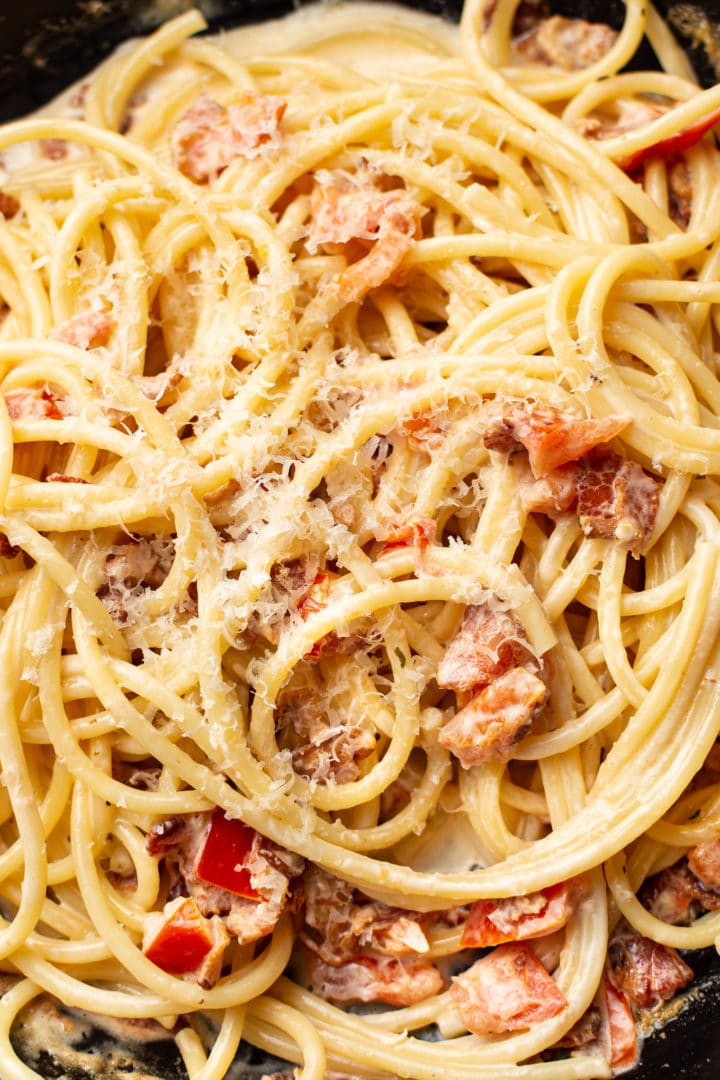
[360,426]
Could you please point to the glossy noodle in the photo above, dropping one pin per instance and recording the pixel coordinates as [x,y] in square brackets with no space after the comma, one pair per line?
[360,434]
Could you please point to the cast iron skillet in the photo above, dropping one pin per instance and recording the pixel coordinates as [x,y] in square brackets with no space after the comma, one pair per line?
[44,46]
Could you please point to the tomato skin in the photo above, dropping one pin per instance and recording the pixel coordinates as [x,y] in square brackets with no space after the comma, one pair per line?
[621,1026]
[551,911]
[182,942]
[222,861]
[674,144]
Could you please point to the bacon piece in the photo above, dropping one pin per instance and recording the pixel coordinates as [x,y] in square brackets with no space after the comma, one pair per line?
[680,193]
[7,550]
[53,149]
[488,727]
[340,923]
[550,437]
[374,978]
[704,862]
[507,990]
[622,1033]
[677,896]
[488,643]
[63,478]
[585,1031]
[87,330]
[9,205]
[354,209]
[645,970]
[518,918]
[670,895]
[617,499]
[182,942]
[209,137]
[264,870]
[553,494]
[570,44]
[324,749]
[35,404]
[416,530]
[629,115]
[137,564]
[424,431]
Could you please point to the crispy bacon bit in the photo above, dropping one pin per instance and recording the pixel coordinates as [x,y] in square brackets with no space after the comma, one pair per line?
[315,599]
[569,44]
[585,1031]
[375,978]
[7,550]
[180,941]
[677,896]
[380,225]
[35,404]
[670,895]
[416,531]
[680,193]
[424,431]
[617,499]
[550,437]
[167,836]
[488,727]
[704,862]
[341,923]
[209,136]
[507,990]
[518,918]
[88,330]
[622,1033]
[63,478]
[488,643]
[9,205]
[629,114]
[645,970]
[263,871]
[326,745]
[53,149]
[132,567]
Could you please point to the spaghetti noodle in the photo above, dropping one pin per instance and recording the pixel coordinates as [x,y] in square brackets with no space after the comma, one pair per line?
[360,427]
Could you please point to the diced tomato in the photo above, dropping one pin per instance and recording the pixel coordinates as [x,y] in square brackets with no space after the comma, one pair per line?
[507,990]
[622,1032]
[674,144]
[223,858]
[518,918]
[178,939]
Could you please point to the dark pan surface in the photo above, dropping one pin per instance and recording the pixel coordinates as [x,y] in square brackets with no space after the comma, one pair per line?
[44,46]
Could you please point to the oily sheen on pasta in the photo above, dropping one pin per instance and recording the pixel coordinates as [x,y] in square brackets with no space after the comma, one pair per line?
[360,435]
